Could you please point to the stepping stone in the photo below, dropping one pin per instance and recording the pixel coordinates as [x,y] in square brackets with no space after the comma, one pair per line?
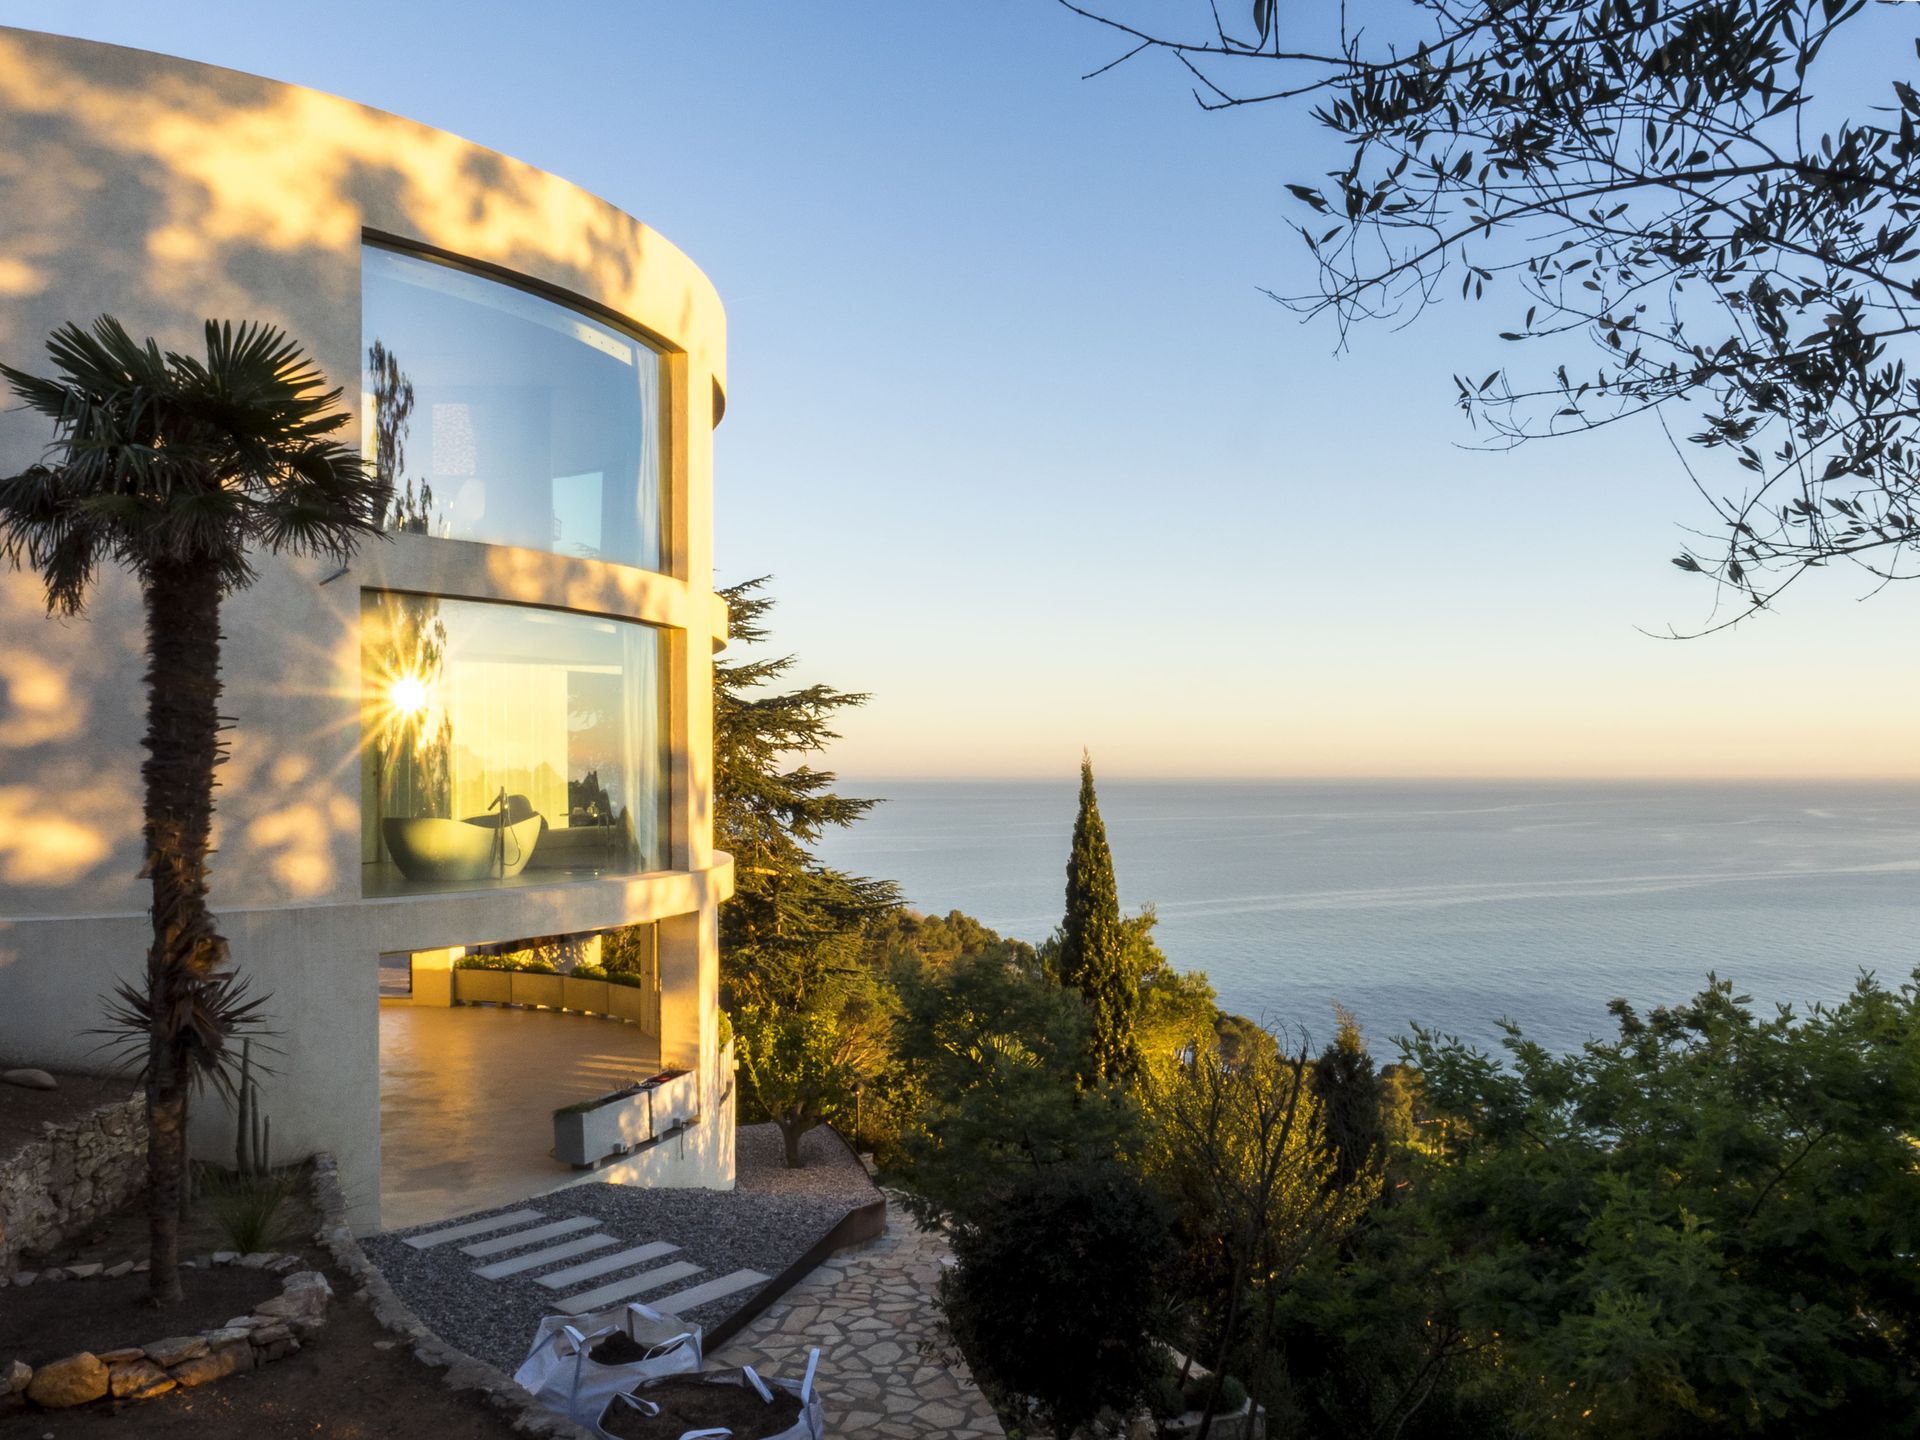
[472,1227]
[633,1285]
[685,1300]
[606,1265]
[528,1237]
[544,1257]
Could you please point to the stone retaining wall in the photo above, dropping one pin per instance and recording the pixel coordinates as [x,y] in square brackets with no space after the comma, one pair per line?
[78,1172]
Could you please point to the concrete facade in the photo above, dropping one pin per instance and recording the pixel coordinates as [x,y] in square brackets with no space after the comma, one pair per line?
[165,192]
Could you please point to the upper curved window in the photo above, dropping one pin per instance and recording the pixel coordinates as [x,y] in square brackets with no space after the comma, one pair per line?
[501,416]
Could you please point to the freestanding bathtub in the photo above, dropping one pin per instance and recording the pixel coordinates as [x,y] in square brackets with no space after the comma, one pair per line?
[493,846]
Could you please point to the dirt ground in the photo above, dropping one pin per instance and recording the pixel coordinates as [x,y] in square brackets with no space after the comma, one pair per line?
[23,1112]
[48,1322]
[342,1385]
[338,1387]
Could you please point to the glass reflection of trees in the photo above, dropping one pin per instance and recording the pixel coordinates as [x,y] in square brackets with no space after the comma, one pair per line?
[408,513]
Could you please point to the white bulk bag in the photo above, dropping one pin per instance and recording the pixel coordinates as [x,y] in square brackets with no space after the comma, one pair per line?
[811,1425]
[561,1374]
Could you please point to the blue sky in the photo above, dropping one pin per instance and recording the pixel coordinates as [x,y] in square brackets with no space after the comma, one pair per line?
[1030,456]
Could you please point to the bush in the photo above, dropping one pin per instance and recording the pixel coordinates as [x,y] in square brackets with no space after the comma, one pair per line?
[1053,1289]
[1165,1398]
[1232,1394]
[247,1207]
[505,962]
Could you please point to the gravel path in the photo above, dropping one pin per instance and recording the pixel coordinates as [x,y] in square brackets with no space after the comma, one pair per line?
[766,1222]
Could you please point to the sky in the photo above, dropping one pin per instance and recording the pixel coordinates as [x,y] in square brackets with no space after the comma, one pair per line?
[1032,460]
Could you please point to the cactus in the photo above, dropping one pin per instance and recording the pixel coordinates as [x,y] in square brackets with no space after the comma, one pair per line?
[252,1132]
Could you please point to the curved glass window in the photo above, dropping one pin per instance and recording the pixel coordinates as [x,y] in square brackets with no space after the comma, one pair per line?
[508,745]
[501,416]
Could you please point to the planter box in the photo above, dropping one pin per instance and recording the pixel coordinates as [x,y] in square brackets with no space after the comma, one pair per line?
[627,1002]
[676,1096]
[623,1121]
[483,987]
[590,995]
[537,990]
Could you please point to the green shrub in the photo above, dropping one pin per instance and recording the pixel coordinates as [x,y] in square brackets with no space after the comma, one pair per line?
[506,962]
[1232,1394]
[247,1208]
[1165,1398]
[1048,1299]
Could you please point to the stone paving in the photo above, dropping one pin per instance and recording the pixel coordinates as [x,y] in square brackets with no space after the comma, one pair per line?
[870,1310]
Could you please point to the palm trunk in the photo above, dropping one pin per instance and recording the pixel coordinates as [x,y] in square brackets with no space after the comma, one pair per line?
[183,748]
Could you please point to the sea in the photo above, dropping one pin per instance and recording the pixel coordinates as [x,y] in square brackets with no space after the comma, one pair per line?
[1453,905]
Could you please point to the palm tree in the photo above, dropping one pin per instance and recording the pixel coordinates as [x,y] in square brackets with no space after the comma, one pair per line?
[177,468]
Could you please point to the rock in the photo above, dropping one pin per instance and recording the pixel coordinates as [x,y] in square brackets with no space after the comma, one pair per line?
[114,1272]
[272,1334]
[225,1257]
[29,1079]
[25,1277]
[76,1380]
[140,1266]
[170,1352]
[111,1358]
[227,1335]
[83,1272]
[283,1263]
[139,1380]
[203,1368]
[308,1280]
[257,1259]
[304,1297]
[242,1322]
[15,1377]
[385,1344]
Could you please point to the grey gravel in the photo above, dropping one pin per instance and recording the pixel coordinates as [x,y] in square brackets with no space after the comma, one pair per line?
[768,1220]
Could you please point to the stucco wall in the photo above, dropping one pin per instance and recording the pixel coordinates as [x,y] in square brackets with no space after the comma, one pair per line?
[164,192]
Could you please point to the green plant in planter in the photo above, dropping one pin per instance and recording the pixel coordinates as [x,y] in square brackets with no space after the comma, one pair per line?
[516,962]
[600,972]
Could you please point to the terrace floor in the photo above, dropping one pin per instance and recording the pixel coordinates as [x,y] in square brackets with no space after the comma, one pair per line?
[467,1095]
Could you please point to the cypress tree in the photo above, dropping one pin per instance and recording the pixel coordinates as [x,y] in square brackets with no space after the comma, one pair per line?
[1094,955]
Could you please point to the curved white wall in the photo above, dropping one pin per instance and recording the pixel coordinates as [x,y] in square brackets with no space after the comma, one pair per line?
[164,192]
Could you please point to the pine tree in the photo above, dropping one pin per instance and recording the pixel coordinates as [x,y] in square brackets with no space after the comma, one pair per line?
[1351,1102]
[791,918]
[1094,955]
[811,1020]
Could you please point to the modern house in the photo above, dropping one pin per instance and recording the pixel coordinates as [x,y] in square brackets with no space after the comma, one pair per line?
[492,732]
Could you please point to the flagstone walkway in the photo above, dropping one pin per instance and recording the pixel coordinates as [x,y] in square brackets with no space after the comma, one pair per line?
[869,1310]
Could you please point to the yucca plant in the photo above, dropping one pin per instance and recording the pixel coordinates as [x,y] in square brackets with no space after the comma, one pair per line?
[178,468]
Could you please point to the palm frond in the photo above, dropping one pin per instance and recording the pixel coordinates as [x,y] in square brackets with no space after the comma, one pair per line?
[161,457]
[206,1016]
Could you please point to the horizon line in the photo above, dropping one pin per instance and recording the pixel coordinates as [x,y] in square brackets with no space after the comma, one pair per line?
[1072,778]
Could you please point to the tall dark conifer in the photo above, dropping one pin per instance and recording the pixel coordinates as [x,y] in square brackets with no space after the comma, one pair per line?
[1094,956]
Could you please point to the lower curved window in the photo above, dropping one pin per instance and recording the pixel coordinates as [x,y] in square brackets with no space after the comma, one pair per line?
[508,745]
